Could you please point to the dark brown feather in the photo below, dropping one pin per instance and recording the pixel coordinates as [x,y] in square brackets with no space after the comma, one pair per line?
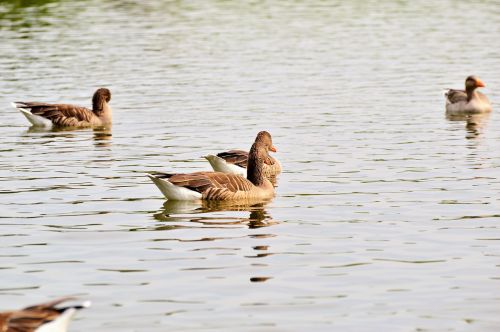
[236,157]
[455,96]
[31,318]
[215,181]
[240,158]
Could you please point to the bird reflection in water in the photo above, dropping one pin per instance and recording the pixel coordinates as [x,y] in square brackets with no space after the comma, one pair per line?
[53,132]
[102,136]
[474,123]
[201,212]
[183,214]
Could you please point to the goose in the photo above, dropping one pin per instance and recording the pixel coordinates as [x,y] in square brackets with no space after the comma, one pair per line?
[66,115]
[44,317]
[468,101]
[221,186]
[235,162]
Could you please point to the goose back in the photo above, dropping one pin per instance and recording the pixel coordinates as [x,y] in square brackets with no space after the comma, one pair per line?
[455,96]
[235,157]
[214,185]
[38,318]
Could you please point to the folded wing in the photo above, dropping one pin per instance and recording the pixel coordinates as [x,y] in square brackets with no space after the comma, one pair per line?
[236,157]
[455,96]
[31,319]
[60,114]
[212,185]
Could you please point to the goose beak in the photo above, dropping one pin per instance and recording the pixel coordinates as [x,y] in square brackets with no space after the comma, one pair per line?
[273,149]
[480,83]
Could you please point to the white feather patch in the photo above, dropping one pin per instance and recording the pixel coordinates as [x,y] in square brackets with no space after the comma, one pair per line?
[173,192]
[35,120]
[220,165]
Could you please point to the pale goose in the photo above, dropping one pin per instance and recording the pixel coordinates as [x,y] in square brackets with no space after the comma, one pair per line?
[235,162]
[66,115]
[44,317]
[220,186]
[468,101]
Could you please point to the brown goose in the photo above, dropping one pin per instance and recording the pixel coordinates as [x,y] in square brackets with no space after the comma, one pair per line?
[220,186]
[235,162]
[66,115]
[468,101]
[44,317]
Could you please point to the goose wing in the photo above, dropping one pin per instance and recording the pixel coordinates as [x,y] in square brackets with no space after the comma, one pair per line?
[236,157]
[31,318]
[455,96]
[212,185]
[240,158]
[60,114]
[27,320]
[202,181]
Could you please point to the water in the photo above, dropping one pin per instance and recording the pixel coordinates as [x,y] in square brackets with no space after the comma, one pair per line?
[387,213]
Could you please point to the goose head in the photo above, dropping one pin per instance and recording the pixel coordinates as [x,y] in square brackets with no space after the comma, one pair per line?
[472,82]
[266,140]
[101,97]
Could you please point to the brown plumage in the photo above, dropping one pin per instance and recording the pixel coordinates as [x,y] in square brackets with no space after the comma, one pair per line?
[454,96]
[240,158]
[67,115]
[222,186]
[469,100]
[236,162]
[235,157]
[214,185]
[31,318]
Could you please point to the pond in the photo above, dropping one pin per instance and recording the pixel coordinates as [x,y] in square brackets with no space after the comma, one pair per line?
[387,213]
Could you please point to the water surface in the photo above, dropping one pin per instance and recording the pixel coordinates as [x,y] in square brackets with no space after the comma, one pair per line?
[386,216]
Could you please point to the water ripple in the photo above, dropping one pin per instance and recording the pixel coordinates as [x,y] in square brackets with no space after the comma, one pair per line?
[386,214]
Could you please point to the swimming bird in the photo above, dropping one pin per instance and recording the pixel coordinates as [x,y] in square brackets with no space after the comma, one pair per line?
[235,162]
[67,115]
[221,186]
[44,317]
[468,101]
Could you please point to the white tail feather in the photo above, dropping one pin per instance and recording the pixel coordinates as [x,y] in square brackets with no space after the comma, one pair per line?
[35,120]
[220,165]
[60,324]
[173,192]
